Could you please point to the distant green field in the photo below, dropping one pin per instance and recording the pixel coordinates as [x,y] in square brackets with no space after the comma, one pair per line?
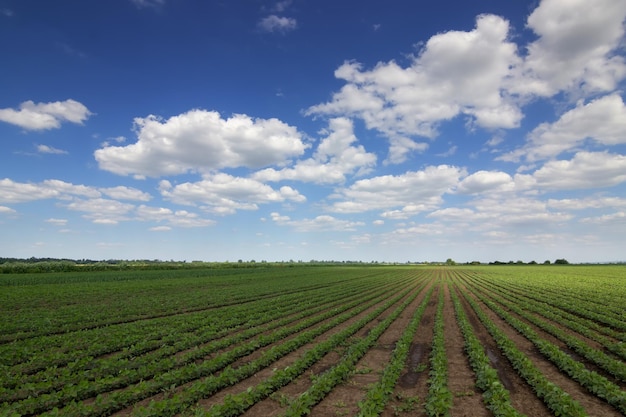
[168,342]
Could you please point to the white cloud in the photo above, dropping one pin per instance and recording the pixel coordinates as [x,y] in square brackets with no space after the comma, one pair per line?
[160,229]
[57,222]
[486,181]
[224,194]
[273,23]
[401,147]
[587,203]
[412,191]
[585,170]
[602,120]
[50,150]
[16,192]
[102,211]
[319,223]
[455,214]
[201,140]
[607,219]
[577,49]
[178,218]
[455,73]
[6,210]
[500,217]
[334,158]
[43,116]
[126,193]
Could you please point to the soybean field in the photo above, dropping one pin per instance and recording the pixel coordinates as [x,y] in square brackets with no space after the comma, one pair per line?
[409,340]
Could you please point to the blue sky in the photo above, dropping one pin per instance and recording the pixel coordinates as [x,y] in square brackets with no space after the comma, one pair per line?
[299,129]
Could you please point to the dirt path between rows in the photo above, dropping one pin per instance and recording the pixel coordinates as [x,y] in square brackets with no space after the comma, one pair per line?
[344,399]
[522,396]
[468,400]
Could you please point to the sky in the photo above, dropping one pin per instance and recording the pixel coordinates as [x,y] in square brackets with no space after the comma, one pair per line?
[390,131]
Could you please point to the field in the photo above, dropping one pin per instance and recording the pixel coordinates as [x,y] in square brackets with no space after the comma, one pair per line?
[535,340]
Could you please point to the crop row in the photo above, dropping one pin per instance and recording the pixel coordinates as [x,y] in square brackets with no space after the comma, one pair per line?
[325,382]
[379,393]
[613,366]
[557,400]
[496,396]
[98,304]
[230,376]
[592,381]
[110,373]
[564,299]
[439,398]
[164,372]
[247,321]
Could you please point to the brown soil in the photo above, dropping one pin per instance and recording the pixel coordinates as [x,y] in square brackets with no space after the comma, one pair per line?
[344,399]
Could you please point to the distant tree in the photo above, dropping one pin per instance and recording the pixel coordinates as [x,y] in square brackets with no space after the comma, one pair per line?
[449,261]
[546,262]
[561,262]
[532,263]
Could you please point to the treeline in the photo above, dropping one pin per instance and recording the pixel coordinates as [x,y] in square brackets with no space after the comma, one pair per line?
[43,265]
[547,262]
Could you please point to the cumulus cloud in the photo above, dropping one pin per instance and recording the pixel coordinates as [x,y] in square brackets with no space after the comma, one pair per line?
[57,222]
[319,223]
[44,116]
[225,194]
[585,170]
[101,210]
[486,181]
[456,73]
[587,203]
[412,191]
[576,50]
[607,219]
[334,157]
[202,141]
[16,192]
[602,121]
[502,215]
[273,23]
[177,218]
[126,193]
[6,210]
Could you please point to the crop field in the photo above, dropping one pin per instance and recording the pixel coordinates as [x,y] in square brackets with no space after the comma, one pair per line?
[534,340]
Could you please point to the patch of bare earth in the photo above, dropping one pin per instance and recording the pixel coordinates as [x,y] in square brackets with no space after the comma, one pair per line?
[412,387]
[522,396]
[467,401]
[344,399]
[593,405]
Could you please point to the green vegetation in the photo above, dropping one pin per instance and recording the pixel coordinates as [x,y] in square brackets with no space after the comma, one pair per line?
[160,341]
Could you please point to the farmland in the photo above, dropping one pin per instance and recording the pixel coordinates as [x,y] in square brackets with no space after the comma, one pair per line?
[535,340]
